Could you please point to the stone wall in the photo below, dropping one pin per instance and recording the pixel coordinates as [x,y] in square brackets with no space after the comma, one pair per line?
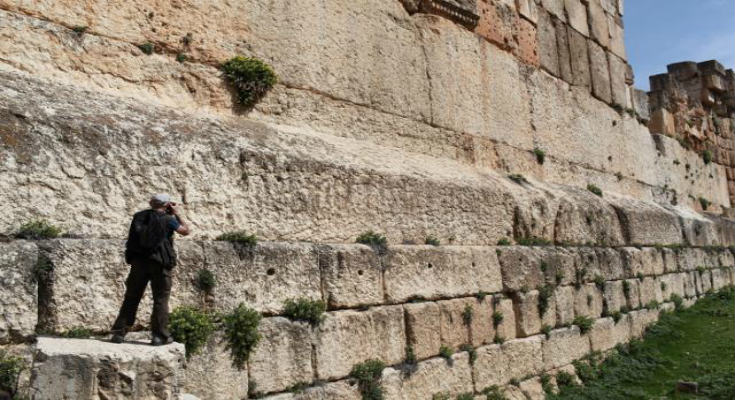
[412,296]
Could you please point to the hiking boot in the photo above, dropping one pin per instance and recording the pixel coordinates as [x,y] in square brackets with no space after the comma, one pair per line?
[117,338]
[159,341]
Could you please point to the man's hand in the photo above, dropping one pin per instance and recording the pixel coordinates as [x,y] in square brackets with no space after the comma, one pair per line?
[174,209]
[183,227]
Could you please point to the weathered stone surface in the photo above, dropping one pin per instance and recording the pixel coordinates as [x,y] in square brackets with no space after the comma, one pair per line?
[454,328]
[640,320]
[339,390]
[671,260]
[440,272]
[527,309]
[646,223]
[562,42]
[662,122]
[599,71]
[644,261]
[555,7]
[265,277]
[577,13]
[527,38]
[482,329]
[564,296]
[547,43]
[498,364]
[528,9]
[91,369]
[614,296]
[351,275]
[382,335]
[706,279]
[671,284]
[512,392]
[633,295]
[617,80]
[606,333]
[690,283]
[507,327]
[520,267]
[598,21]
[497,23]
[423,328]
[564,346]
[588,301]
[533,389]
[19,302]
[617,37]
[283,356]
[640,104]
[210,374]
[720,278]
[25,351]
[579,59]
[430,377]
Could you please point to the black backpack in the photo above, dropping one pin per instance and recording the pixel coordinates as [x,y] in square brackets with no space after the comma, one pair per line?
[148,238]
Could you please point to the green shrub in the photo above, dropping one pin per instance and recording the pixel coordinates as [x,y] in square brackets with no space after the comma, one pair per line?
[559,277]
[446,352]
[497,318]
[480,296]
[653,304]
[544,294]
[367,375]
[80,29]
[373,239]
[677,300]
[303,309]
[241,237]
[518,178]
[515,382]
[594,189]
[704,203]
[564,378]
[206,280]
[181,57]
[701,269]
[504,242]
[241,333]
[493,393]
[707,156]
[540,155]
[546,330]
[10,369]
[498,339]
[465,396]
[440,396]
[470,351]
[191,327]
[77,333]
[467,314]
[37,229]
[584,323]
[146,48]
[616,316]
[432,240]
[585,371]
[600,282]
[639,276]
[663,286]
[626,289]
[410,356]
[251,78]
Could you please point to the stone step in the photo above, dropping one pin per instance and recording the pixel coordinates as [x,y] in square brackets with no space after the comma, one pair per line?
[87,369]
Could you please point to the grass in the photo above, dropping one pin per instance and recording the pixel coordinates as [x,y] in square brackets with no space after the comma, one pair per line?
[707,156]
[584,323]
[206,280]
[467,314]
[446,352]
[303,309]
[432,241]
[695,344]
[373,239]
[38,229]
[241,237]
[10,369]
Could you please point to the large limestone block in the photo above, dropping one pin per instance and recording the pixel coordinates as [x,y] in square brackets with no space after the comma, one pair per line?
[533,389]
[588,301]
[671,284]
[671,260]
[454,328]
[619,89]
[528,312]
[210,374]
[547,42]
[610,262]
[600,72]
[586,218]
[521,267]
[381,333]
[464,105]
[598,20]
[617,37]
[498,364]
[92,369]
[606,333]
[564,52]
[579,58]
[706,278]
[577,12]
[632,293]
[429,377]
[263,277]
[339,390]
[351,275]
[559,264]
[720,278]
[691,258]
[640,320]
[564,346]
[690,283]
[650,289]
[644,261]
[647,223]
[440,272]
[614,296]
[423,328]
[19,301]
[564,296]
[482,328]
[283,355]
[555,7]
[506,329]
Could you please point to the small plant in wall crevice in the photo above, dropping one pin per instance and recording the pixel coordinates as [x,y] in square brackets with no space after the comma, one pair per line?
[241,333]
[250,77]
[368,375]
[303,309]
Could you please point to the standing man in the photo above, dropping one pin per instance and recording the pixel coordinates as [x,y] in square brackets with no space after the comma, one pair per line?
[150,253]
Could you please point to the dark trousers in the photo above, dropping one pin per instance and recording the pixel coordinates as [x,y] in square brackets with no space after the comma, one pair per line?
[141,272]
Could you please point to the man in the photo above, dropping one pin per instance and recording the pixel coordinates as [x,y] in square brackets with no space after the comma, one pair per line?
[150,252]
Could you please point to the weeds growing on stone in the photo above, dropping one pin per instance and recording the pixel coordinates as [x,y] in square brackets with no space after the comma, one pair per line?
[663,286]
[639,276]
[626,289]
[497,318]
[467,314]
[652,305]
[37,230]
[540,155]
[252,78]
[677,300]
[410,356]
[368,375]
[206,280]
[704,203]
[372,239]
[432,241]
[594,189]
[470,351]
[584,323]
[146,48]
[546,330]
[701,269]
[600,282]
[544,295]
[493,392]
[440,396]
[534,241]
[480,296]
[303,309]
[10,370]
[707,156]
[498,339]
[616,316]
[446,352]
[504,242]
[191,327]
[518,178]
[564,378]
[80,29]
[240,237]
[241,333]
[77,332]
[515,382]
[559,277]
[465,396]
[181,57]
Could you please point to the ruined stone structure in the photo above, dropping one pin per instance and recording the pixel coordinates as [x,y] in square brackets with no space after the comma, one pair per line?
[479,123]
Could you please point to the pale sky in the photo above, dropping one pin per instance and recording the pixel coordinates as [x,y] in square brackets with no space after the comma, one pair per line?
[661,32]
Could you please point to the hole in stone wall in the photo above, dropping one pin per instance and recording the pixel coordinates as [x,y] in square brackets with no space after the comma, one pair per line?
[359,272]
[429,265]
[271,271]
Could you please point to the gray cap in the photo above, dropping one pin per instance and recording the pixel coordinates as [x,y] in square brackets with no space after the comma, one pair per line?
[161,198]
